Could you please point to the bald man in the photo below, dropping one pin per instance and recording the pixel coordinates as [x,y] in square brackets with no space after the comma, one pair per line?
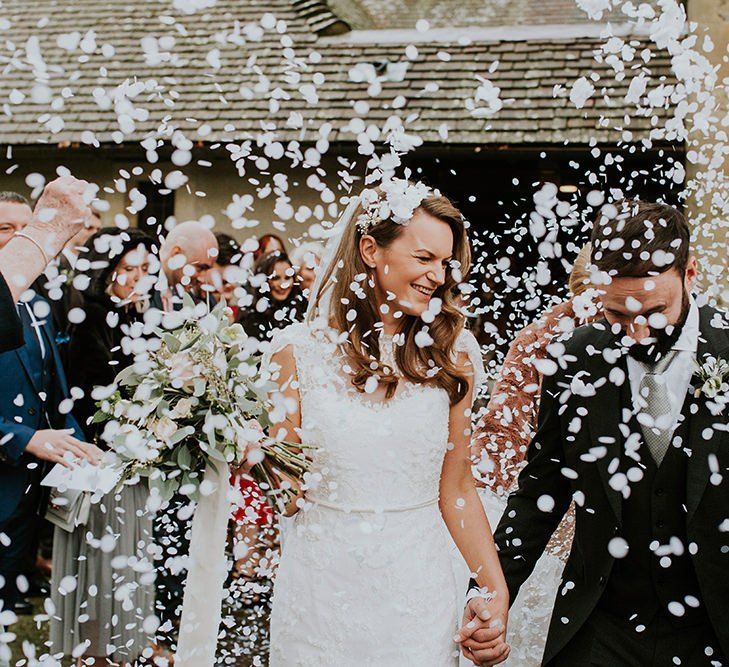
[187,254]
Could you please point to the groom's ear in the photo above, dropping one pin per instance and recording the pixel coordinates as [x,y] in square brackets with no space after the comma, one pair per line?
[691,273]
[368,250]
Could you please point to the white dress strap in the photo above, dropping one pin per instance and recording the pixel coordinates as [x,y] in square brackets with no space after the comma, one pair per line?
[467,343]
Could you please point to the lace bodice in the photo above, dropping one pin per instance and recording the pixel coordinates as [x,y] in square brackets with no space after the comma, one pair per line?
[370,454]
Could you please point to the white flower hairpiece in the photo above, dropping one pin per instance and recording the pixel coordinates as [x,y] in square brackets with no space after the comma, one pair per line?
[398,202]
[370,216]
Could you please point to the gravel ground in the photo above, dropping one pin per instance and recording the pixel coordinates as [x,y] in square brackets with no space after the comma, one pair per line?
[244,640]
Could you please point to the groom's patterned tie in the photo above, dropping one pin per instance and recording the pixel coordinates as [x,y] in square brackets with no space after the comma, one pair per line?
[656,403]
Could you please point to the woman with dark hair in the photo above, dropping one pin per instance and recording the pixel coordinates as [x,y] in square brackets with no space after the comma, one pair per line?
[277,302]
[227,274]
[107,558]
[267,244]
[277,299]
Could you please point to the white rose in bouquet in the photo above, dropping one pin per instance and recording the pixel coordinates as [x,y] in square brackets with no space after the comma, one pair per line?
[164,428]
[233,334]
[182,370]
[183,409]
[130,441]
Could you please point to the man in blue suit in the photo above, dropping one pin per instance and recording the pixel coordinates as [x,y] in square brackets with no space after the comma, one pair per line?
[36,428]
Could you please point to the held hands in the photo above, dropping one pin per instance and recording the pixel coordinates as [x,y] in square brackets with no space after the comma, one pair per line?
[63,207]
[483,633]
[59,446]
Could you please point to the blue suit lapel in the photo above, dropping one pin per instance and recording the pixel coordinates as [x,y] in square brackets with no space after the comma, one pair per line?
[25,360]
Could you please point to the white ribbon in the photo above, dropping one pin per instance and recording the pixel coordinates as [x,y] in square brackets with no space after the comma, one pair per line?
[206,572]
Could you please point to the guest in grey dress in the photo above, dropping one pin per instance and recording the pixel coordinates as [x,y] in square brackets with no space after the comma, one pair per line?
[103,577]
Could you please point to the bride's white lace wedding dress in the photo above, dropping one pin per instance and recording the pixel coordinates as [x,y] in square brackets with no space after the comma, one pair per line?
[366,575]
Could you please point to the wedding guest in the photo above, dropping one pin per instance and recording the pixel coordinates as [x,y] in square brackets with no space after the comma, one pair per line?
[267,244]
[226,276]
[23,257]
[76,245]
[57,285]
[35,429]
[60,212]
[186,255]
[15,214]
[306,259]
[277,300]
[107,558]
[253,523]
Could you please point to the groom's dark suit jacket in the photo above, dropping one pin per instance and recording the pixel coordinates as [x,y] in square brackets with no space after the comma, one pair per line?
[579,448]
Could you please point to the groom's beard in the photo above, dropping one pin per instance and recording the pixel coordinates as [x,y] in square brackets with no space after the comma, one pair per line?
[662,342]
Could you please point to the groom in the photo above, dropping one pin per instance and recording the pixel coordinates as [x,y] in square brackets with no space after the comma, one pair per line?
[629,431]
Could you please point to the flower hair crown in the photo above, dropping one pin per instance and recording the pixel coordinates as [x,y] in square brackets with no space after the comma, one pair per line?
[397,201]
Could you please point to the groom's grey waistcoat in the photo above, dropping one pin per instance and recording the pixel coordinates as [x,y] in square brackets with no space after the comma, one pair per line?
[585,427]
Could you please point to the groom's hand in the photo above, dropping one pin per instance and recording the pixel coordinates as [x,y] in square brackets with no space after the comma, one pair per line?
[483,633]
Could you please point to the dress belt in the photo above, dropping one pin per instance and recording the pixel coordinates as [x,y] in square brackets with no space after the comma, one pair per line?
[370,510]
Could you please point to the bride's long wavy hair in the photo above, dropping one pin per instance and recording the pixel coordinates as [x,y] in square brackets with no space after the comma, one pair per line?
[352,289]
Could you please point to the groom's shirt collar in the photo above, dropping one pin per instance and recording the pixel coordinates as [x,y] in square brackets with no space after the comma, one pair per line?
[688,341]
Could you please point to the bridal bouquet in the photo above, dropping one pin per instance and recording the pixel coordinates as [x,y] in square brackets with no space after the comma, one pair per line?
[199,397]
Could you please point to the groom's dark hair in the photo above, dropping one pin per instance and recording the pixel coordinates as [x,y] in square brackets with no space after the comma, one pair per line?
[643,239]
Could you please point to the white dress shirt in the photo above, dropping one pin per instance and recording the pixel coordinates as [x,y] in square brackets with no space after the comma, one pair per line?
[36,327]
[679,372]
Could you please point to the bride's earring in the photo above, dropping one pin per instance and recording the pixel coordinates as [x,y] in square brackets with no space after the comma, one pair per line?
[371,276]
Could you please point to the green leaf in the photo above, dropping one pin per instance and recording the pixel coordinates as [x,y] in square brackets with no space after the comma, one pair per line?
[184,458]
[99,416]
[127,376]
[165,487]
[247,406]
[190,343]
[172,342]
[187,301]
[215,454]
[179,435]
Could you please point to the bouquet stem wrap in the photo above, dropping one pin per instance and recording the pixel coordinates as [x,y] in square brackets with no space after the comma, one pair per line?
[206,573]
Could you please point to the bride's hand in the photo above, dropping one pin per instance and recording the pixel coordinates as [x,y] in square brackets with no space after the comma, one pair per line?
[483,633]
[252,435]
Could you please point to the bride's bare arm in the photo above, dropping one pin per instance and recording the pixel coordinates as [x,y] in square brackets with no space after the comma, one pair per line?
[463,511]
[287,426]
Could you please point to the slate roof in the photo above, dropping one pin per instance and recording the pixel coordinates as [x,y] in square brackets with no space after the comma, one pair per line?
[385,14]
[243,65]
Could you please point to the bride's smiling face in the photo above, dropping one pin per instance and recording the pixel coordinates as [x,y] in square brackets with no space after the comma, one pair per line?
[408,271]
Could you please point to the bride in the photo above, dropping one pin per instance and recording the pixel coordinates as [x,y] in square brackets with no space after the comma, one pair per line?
[379,381]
